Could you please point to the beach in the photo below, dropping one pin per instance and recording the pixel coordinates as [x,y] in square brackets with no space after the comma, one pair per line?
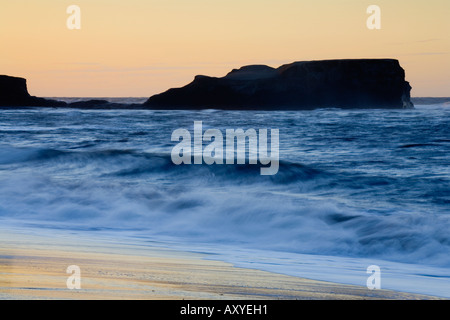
[33,266]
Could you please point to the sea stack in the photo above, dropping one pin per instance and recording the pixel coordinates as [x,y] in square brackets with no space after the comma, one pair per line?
[13,93]
[348,84]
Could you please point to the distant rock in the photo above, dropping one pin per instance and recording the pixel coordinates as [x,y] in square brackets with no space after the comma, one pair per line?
[102,104]
[350,83]
[13,93]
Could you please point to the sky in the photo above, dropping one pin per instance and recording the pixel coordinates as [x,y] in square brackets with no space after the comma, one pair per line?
[137,48]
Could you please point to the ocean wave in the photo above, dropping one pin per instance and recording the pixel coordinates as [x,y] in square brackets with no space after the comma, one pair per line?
[250,216]
[350,183]
[218,204]
[140,163]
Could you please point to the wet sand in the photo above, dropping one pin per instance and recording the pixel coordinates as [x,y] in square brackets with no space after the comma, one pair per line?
[33,266]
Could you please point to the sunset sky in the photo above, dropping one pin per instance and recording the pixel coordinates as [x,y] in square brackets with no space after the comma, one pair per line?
[137,48]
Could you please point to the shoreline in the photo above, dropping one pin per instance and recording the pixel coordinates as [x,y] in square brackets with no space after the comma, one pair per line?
[33,266]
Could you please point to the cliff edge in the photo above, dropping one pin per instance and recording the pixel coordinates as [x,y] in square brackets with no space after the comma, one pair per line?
[14,92]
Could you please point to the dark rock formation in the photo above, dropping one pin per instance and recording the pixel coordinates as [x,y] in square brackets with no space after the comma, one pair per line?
[102,104]
[359,83]
[13,93]
[86,104]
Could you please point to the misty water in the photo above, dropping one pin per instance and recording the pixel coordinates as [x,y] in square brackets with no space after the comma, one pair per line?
[354,188]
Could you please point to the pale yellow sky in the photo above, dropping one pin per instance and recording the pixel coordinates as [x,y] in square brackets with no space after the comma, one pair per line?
[142,47]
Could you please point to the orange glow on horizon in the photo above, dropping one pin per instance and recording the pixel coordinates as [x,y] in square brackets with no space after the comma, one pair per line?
[138,48]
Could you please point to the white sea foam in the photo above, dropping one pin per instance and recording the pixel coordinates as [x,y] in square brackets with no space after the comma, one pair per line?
[354,188]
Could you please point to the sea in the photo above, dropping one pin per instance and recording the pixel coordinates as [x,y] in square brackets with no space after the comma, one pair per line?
[354,189]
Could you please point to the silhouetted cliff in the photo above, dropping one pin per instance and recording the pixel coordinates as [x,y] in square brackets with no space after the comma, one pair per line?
[13,92]
[359,83]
